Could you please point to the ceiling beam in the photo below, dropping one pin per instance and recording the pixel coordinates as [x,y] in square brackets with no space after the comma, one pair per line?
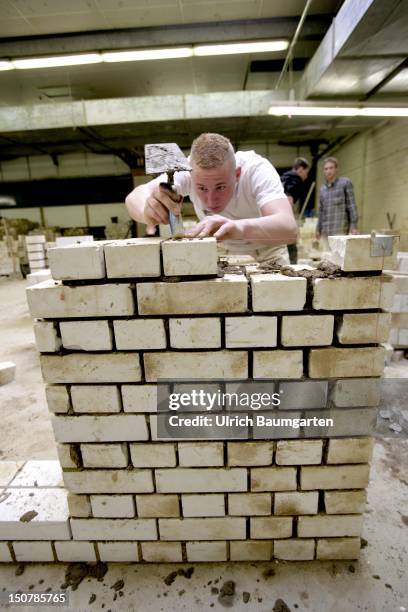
[145,109]
[133,38]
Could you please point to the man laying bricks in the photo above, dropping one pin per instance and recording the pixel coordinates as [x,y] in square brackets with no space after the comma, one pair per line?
[237,196]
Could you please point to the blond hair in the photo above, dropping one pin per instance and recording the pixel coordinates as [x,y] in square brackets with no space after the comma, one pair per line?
[211,151]
[330,160]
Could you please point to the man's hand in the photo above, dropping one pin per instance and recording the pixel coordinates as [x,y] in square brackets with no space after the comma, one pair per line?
[219,227]
[353,231]
[317,235]
[159,203]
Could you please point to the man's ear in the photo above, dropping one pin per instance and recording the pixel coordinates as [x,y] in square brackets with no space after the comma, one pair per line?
[238,172]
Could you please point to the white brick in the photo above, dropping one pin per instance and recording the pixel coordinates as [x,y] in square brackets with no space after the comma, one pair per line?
[139,398]
[276,292]
[358,328]
[251,551]
[299,452]
[278,364]
[203,505]
[353,253]
[57,398]
[33,551]
[7,372]
[206,551]
[95,398]
[75,551]
[79,505]
[202,529]
[247,504]
[201,454]
[118,551]
[133,258]
[253,331]
[334,477]
[46,337]
[5,554]
[210,365]
[34,239]
[250,453]
[118,428]
[104,455]
[140,334]
[330,526]
[156,505]
[109,481]
[113,506]
[343,362]
[266,528]
[296,502]
[190,257]
[50,522]
[307,330]
[203,332]
[153,455]
[91,368]
[116,529]
[350,450]
[34,256]
[79,261]
[8,471]
[227,294]
[38,473]
[86,335]
[338,548]
[37,264]
[162,552]
[51,299]
[352,293]
[294,550]
[68,456]
[345,502]
[357,392]
[196,480]
[273,479]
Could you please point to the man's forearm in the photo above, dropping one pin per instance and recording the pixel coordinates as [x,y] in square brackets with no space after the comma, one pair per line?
[279,228]
[135,203]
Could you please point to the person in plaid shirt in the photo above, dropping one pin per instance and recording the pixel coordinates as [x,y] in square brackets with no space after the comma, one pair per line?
[337,210]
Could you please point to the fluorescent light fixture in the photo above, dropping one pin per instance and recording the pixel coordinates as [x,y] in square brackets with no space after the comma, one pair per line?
[243,47]
[338,111]
[57,60]
[384,112]
[318,111]
[147,54]
[6,66]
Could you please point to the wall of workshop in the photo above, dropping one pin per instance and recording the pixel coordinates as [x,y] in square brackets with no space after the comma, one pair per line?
[39,167]
[377,163]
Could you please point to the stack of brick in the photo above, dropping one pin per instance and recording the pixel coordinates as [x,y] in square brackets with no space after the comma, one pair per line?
[399,324]
[35,246]
[120,316]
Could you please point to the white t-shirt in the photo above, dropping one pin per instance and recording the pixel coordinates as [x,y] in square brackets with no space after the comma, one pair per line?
[258,184]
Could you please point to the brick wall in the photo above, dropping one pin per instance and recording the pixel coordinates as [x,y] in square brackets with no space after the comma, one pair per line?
[112,323]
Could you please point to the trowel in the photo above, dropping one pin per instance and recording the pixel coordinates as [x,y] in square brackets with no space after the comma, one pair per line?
[167,158]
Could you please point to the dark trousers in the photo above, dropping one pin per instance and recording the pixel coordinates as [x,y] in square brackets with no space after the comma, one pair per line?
[293,253]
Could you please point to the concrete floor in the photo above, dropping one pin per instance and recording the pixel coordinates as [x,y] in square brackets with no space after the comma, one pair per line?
[377,583]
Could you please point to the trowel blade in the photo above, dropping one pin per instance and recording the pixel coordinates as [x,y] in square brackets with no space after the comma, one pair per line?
[165,157]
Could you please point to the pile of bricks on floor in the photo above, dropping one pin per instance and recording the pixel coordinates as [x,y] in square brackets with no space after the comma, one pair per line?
[35,246]
[399,324]
[119,317]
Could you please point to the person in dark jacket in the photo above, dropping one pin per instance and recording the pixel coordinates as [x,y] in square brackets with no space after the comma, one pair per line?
[292,182]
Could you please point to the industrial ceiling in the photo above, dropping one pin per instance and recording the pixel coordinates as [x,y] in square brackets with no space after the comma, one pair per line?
[345,51]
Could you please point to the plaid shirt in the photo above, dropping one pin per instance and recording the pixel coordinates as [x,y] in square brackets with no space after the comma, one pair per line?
[338,210]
